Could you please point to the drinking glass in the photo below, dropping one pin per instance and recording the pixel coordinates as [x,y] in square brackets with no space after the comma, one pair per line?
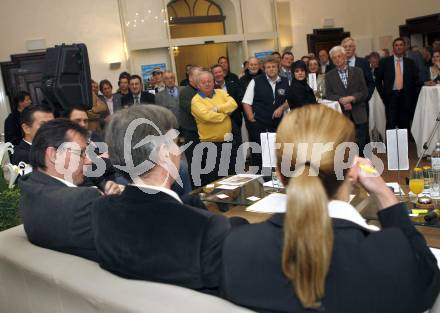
[417,182]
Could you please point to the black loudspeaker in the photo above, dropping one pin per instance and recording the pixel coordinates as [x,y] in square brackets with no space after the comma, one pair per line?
[66,77]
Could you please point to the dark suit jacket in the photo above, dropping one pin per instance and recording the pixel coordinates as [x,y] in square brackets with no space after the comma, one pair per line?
[299,94]
[356,87]
[146,98]
[329,67]
[154,237]
[385,76]
[234,90]
[368,76]
[21,153]
[58,217]
[13,132]
[387,271]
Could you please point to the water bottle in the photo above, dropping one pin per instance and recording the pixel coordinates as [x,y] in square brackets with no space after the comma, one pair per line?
[435,164]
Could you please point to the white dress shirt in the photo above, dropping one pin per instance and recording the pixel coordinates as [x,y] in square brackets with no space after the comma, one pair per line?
[109,102]
[65,182]
[249,94]
[344,210]
[352,61]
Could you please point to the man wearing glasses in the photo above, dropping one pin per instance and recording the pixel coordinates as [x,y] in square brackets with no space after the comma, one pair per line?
[56,213]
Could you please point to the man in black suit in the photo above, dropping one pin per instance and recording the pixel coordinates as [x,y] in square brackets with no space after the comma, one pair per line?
[396,82]
[229,76]
[349,45]
[136,95]
[13,133]
[147,232]
[346,85]
[32,118]
[325,62]
[113,100]
[56,213]
[234,90]
[250,73]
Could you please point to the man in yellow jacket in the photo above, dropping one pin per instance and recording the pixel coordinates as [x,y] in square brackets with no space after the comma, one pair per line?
[211,110]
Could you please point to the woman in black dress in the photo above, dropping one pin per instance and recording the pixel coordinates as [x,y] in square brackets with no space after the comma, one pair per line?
[299,92]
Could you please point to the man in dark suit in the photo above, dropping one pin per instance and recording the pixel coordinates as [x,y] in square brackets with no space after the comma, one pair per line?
[113,100]
[169,97]
[229,76]
[234,90]
[56,213]
[13,133]
[325,62]
[346,85]
[250,73]
[167,241]
[396,82]
[136,95]
[32,118]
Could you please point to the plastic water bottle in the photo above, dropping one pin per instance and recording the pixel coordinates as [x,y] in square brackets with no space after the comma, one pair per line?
[435,163]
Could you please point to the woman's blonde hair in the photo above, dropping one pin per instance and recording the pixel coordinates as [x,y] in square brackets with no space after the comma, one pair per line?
[308,233]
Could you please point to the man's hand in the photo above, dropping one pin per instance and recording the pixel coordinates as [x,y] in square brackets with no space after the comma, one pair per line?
[348,107]
[112,188]
[278,113]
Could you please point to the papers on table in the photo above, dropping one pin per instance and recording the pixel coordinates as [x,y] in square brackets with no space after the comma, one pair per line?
[227,187]
[268,149]
[273,184]
[396,187]
[273,203]
[397,149]
[238,180]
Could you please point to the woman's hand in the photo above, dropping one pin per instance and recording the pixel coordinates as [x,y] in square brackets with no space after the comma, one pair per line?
[366,175]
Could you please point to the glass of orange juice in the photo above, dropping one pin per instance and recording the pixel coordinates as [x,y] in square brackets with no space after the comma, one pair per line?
[416,181]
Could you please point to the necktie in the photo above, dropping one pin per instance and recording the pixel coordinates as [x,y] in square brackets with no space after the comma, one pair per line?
[136,100]
[399,77]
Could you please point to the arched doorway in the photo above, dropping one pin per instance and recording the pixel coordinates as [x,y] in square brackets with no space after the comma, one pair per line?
[196,18]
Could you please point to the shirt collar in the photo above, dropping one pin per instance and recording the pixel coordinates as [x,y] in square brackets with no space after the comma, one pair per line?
[352,59]
[344,69]
[398,59]
[155,189]
[29,143]
[203,95]
[343,210]
[65,182]
[277,80]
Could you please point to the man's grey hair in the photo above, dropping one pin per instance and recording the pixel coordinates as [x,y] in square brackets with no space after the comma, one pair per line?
[337,49]
[253,58]
[169,72]
[161,120]
[347,39]
[203,72]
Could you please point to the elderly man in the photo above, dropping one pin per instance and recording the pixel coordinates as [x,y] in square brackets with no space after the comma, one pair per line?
[346,84]
[265,102]
[286,66]
[136,95]
[396,82]
[168,241]
[324,61]
[250,73]
[56,213]
[32,118]
[169,96]
[211,110]
[234,90]
[349,45]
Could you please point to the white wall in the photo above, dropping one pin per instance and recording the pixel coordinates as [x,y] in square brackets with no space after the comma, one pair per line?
[366,20]
[95,23]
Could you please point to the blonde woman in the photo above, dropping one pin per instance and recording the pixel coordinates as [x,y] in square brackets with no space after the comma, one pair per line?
[321,255]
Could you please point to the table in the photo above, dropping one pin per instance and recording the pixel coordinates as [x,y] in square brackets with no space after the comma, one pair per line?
[427,109]
[363,203]
[377,117]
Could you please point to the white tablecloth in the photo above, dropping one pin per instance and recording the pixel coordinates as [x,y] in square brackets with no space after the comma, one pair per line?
[428,108]
[377,117]
[331,104]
